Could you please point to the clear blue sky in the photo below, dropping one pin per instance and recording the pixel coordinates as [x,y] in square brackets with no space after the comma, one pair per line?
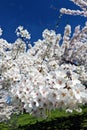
[35,15]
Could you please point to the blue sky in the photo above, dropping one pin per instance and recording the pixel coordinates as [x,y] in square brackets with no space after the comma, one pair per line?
[35,15]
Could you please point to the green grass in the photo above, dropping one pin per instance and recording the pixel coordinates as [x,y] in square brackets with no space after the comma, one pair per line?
[57,120]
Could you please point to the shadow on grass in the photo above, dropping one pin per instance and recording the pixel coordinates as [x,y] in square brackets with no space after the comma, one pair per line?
[59,120]
[73,122]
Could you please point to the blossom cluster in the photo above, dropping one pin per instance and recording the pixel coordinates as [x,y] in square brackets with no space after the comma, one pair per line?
[20,31]
[45,77]
[81,3]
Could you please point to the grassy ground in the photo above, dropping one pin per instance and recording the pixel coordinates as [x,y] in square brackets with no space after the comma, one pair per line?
[57,120]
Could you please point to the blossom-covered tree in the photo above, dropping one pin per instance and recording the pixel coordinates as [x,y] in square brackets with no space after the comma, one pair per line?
[46,76]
